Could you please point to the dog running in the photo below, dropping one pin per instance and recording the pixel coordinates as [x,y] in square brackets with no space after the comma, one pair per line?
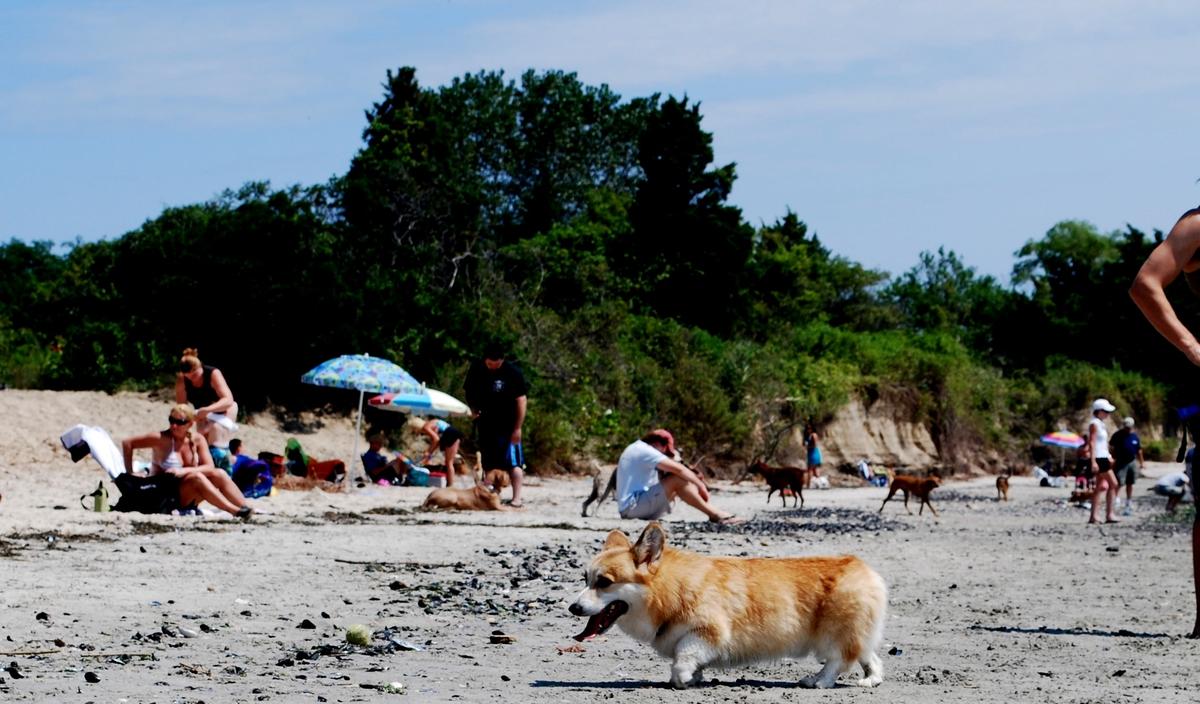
[919,487]
[726,611]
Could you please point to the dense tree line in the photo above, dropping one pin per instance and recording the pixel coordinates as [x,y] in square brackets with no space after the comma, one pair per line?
[593,235]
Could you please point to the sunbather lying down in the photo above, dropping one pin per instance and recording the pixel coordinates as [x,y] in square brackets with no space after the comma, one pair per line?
[182,473]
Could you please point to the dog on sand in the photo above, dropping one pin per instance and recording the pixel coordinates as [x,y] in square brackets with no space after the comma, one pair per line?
[1002,486]
[495,480]
[477,498]
[919,487]
[725,611]
[780,478]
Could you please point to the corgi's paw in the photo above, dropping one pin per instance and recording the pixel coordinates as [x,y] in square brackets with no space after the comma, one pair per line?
[871,681]
[684,677]
[814,682]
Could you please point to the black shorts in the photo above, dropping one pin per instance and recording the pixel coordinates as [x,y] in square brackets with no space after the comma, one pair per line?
[448,437]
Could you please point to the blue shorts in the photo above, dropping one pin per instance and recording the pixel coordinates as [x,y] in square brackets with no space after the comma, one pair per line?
[221,458]
[649,504]
[814,457]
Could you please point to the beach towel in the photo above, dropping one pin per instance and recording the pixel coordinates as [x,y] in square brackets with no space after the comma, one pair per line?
[82,440]
[223,420]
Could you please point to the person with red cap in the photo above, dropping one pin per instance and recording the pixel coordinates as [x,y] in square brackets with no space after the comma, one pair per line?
[650,477]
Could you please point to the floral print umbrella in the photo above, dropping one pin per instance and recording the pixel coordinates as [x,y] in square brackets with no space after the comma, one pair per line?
[362,373]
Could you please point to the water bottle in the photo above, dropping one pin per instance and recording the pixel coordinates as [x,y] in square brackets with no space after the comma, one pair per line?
[99,499]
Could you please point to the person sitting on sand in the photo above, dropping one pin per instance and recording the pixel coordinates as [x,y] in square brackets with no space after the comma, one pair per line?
[650,477]
[445,437]
[216,412]
[183,454]
[379,468]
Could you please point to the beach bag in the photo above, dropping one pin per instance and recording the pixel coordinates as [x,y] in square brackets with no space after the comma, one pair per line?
[147,494]
[418,476]
[253,478]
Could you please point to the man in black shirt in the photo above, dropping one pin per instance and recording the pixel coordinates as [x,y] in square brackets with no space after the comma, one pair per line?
[496,391]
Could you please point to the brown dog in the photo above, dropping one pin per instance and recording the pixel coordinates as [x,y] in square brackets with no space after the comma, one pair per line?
[1002,487]
[496,479]
[477,498]
[780,478]
[917,486]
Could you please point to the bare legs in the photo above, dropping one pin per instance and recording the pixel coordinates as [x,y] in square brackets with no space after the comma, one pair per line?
[515,476]
[683,489]
[1106,486]
[195,487]
[1196,568]
[450,454]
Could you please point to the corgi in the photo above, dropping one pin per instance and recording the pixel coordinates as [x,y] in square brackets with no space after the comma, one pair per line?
[1002,486]
[725,611]
[918,487]
[780,478]
[477,498]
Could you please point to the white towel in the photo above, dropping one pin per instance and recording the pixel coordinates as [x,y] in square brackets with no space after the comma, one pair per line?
[98,444]
[223,420]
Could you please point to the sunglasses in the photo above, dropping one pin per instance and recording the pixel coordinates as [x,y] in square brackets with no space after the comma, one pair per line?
[177,421]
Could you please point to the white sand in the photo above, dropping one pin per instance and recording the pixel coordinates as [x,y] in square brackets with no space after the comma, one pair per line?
[993,603]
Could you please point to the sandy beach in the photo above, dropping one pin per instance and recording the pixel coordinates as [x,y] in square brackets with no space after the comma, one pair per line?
[993,602]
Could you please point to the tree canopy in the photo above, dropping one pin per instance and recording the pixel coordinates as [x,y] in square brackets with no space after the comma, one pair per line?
[593,235]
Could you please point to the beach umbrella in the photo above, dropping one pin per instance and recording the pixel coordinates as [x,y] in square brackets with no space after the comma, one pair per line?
[1063,440]
[429,402]
[362,373]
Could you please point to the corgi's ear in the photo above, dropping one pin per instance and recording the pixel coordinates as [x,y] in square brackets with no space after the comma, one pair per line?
[616,539]
[649,547]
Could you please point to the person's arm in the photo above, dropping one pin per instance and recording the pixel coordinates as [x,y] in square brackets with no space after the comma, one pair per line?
[678,469]
[1091,444]
[180,390]
[1141,458]
[128,445]
[1163,266]
[516,434]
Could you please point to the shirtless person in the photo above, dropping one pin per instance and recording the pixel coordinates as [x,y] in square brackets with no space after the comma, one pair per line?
[1178,254]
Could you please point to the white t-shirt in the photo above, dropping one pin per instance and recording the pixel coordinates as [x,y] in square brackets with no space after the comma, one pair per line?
[1100,446]
[637,471]
[1172,480]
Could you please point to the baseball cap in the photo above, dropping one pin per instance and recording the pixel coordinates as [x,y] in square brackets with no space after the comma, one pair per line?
[1102,404]
[666,435]
[1128,422]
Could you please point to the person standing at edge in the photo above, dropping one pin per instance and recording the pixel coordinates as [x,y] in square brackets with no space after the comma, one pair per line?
[496,391]
[1178,254]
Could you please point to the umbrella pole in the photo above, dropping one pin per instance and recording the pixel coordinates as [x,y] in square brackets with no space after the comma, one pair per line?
[357,432]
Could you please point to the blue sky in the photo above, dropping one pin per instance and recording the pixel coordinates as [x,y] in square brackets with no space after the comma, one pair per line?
[890,128]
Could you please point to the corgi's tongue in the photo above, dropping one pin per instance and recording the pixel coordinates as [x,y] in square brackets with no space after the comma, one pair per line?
[602,621]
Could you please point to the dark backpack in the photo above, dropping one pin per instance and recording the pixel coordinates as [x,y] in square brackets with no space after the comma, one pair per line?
[147,494]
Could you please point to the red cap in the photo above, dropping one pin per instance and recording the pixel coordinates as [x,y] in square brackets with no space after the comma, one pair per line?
[666,435]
